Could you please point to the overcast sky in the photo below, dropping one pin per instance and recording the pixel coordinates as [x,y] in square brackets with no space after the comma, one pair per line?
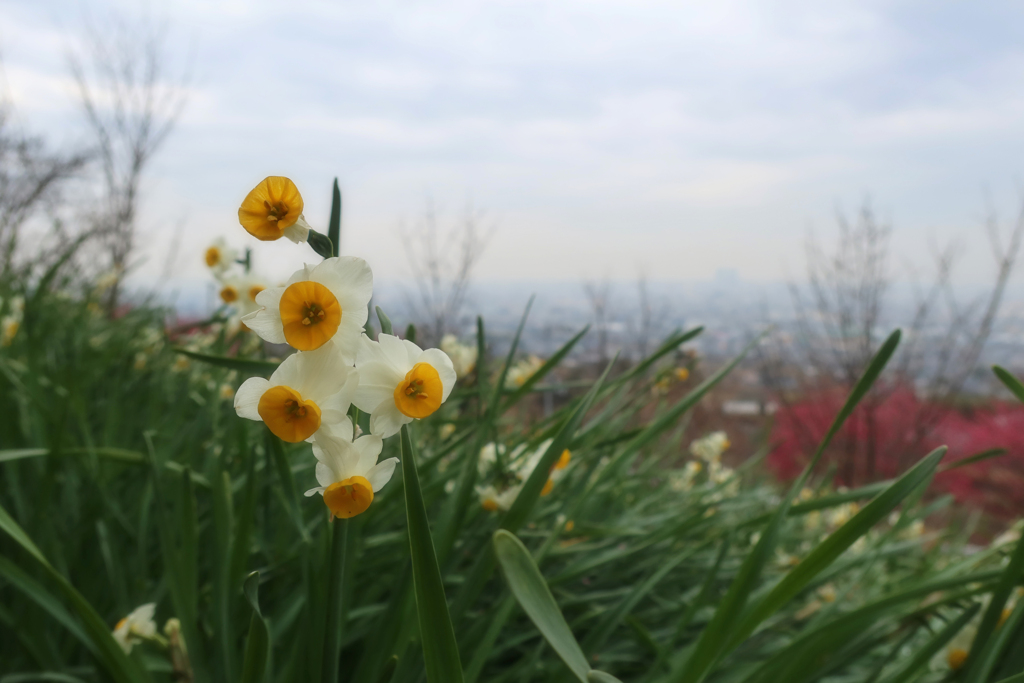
[600,137]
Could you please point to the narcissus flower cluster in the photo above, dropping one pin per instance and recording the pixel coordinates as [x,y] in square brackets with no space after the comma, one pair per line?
[507,481]
[321,312]
[237,286]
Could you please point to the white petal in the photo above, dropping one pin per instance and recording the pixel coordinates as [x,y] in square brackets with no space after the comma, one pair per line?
[395,352]
[334,408]
[270,298]
[369,448]
[326,474]
[377,382]
[314,491]
[369,351]
[443,364]
[266,322]
[297,231]
[300,275]
[381,474]
[412,353]
[346,339]
[321,373]
[386,419]
[341,429]
[247,398]
[349,279]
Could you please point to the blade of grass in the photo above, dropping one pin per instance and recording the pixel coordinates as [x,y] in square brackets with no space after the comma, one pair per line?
[981,661]
[257,643]
[716,635]
[335,613]
[826,552]
[112,657]
[918,664]
[550,364]
[247,366]
[440,651]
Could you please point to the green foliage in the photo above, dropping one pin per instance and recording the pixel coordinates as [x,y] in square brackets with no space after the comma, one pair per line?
[127,478]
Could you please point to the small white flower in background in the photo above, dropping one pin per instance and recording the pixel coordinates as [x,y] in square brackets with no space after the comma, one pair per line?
[308,389]
[11,323]
[240,293]
[524,467]
[348,471]
[463,355]
[519,373]
[841,514]
[446,430]
[493,500]
[684,480]
[489,457]
[710,448]
[318,304]
[400,382]
[220,257]
[136,627]
[827,592]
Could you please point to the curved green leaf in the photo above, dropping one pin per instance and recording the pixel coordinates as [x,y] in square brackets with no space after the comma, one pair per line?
[249,366]
[531,591]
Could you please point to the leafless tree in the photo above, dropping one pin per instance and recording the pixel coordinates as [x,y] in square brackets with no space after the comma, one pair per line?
[442,258]
[131,102]
[841,318]
[32,180]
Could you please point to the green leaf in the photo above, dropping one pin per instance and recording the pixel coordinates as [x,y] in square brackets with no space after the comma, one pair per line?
[440,651]
[531,591]
[335,611]
[595,676]
[257,644]
[248,366]
[291,494]
[836,544]
[981,661]
[385,322]
[544,369]
[499,386]
[334,225]
[715,637]
[918,664]
[120,454]
[111,656]
[1011,382]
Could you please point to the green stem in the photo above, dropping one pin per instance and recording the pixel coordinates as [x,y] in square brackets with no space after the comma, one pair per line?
[335,613]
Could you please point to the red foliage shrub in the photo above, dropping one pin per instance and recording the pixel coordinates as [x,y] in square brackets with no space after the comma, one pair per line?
[880,441]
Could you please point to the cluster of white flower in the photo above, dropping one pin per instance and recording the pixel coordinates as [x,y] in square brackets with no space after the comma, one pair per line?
[463,355]
[507,482]
[522,371]
[708,453]
[238,285]
[11,321]
[321,312]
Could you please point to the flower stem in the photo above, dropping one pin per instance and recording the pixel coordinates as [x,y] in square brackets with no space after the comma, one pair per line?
[335,614]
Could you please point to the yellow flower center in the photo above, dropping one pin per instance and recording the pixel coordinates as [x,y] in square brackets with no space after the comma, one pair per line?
[419,394]
[349,497]
[272,206]
[124,620]
[956,658]
[549,485]
[212,256]
[254,290]
[310,314]
[229,294]
[490,505]
[288,416]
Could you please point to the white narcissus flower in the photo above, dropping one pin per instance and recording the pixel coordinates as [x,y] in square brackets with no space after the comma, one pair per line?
[318,304]
[219,256]
[136,627]
[709,448]
[400,382]
[492,500]
[348,471]
[463,355]
[308,389]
